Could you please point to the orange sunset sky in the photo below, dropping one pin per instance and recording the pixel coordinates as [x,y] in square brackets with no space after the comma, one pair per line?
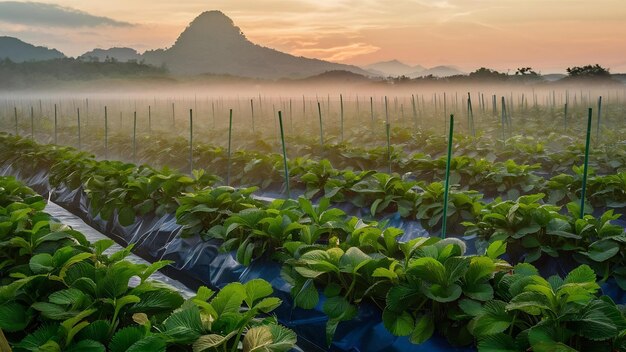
[548,35]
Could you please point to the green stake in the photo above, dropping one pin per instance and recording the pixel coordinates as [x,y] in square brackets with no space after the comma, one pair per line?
[173,116]
[282,138]
[190,141]
[503,120]
[16,132]
[135,137]
[106,134]
[252,113]
[388,128]
[78,122]
[341,104]
[584,190]
[319,110]
[386,111]
[414,112]
[290,116]
[470,115]
[447,184]
[230,133]
[149,120]
[372,110]
[598,122]
[55,123]
[32,123]
[565,116]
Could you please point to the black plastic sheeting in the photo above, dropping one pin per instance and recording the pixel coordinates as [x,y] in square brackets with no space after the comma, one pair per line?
[198,262]
[93,235]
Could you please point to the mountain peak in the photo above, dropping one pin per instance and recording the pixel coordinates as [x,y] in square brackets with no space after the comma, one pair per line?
[210,26]
[212,43]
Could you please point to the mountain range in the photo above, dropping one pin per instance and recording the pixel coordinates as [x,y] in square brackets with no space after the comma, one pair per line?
[395,68]
[19,51]
[212,44]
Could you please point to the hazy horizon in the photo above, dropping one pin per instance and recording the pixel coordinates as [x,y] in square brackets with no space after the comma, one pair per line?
[501,34]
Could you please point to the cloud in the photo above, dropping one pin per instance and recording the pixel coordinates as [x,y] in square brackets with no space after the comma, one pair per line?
[50,15]
[337,53]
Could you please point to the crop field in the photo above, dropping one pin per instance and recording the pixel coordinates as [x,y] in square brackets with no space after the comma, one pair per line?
[426,221]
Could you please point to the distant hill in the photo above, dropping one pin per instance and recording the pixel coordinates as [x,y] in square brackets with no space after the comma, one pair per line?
[213,44]
[393,68]
[118,54]
[551,77]
[337,76]
[438,71]
[19,51]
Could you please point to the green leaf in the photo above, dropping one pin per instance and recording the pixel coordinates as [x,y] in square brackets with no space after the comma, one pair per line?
[257,289]
[156,301]
[39,337]
[561,228]
[428,269]
[582,274]
[86,346]
[471,307]
[74,324]
[268,304]
[126,216]
[399,324]
[543,338]
[283,339]
[53,311]
[493,320]
[210,342]
[41,263]
[257,339]
[229,298]
[401,296]
[13,317]
[70,296]
[126,337]
[97,331]
[184,325]
[339,308]
[496,249]
[424,329]
[353,260]
[152,343]
[602,250]
[456,267]
[498,343]
[529,302]
[102,245]
[594,324]
[306,296]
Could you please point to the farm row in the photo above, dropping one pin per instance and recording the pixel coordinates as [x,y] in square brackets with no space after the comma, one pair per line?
[59,292]
[420,284]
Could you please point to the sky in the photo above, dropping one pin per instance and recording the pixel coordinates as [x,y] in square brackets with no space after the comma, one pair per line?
[548,35]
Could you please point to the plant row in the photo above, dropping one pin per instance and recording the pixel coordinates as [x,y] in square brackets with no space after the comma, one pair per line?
[351,261]
[59,292]
[136,191]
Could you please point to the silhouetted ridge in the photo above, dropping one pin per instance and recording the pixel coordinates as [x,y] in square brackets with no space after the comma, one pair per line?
[213,44]
[19,51]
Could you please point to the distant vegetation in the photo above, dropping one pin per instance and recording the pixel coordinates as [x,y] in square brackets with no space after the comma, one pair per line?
[590,71]
[27,74]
